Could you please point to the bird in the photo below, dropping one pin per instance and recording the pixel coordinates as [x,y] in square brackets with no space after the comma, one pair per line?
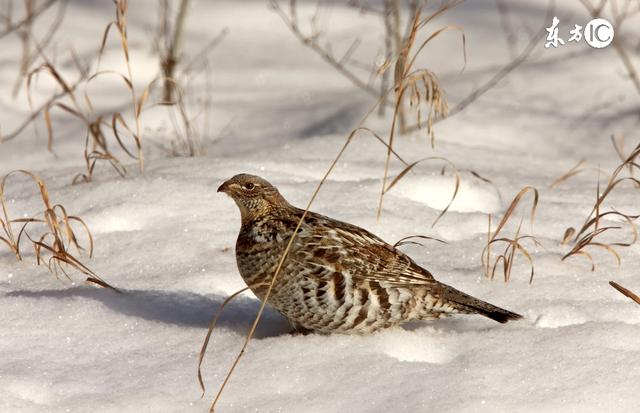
[336,277]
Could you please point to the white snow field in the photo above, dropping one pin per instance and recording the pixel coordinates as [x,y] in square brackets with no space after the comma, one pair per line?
[166,238]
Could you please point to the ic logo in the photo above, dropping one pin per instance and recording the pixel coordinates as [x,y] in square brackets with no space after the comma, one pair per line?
[598,33]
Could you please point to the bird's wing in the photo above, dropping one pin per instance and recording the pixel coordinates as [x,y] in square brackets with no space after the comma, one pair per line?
[327,246]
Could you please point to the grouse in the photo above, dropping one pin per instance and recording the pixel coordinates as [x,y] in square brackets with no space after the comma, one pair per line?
[337,277]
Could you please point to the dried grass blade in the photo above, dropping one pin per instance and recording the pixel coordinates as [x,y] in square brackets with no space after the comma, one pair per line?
[568,233]
[515,203]
[571,172]
[47,121]
[625,291]
[117,117]
[212,325]
[406,240]
[412,165]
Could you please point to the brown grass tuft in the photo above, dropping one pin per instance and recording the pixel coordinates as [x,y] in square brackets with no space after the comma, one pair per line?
[80,106]
[513,245]
[589,234]
[55,240]
[423,89]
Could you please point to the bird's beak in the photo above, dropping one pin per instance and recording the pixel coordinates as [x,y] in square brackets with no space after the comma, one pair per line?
[228,187]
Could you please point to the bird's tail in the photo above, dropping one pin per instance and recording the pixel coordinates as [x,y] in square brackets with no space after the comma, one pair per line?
[467,304]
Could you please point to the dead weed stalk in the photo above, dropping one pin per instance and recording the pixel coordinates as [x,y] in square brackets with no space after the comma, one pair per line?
[512,245]
[53,244]
[589,234]
[80,105]
[422,87]
[177,71]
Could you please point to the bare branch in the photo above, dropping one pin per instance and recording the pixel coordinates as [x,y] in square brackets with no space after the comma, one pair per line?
[312,41]
[618,45]
[12,27]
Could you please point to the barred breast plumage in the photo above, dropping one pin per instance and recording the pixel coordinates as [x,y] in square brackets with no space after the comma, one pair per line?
[337,277]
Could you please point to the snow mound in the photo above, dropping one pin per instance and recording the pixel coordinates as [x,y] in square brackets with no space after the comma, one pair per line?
[561,316]
[407,346]
[436,192]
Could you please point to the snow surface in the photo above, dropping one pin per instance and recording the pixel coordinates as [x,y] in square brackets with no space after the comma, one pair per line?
[166,237]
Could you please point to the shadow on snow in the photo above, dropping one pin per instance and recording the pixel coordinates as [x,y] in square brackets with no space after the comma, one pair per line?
[181,308]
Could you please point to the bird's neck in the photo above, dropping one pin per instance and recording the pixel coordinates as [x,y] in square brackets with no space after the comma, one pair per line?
[251,214]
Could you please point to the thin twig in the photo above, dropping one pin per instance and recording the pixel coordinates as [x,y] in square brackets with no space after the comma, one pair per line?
[618,45]
[312,42]
[12,27]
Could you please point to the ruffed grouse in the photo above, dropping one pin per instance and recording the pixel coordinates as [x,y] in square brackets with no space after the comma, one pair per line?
[337,277]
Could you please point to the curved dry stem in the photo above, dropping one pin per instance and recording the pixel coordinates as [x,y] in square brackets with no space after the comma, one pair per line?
[571,172]
[513,245]
[212,325]
[591,229]
[515,203]
[389,149]
[407,240]
[431,158]
[56,240]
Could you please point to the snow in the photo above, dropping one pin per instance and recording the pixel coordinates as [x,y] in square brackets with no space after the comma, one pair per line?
[166,238]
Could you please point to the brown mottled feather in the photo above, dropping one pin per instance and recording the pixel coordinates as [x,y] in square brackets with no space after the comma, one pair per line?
[337,277]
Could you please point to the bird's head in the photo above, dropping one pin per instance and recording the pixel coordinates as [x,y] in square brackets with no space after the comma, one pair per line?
[254,196]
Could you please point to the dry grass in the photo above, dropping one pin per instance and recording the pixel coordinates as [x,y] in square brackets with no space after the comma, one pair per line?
[171,34]
[409,240]
[409,167]
[364,75]
[625,292]
[500,75]
[114,135]
[23,29]
[589,235]
[423,89]
[512,245]
[178,71]
[575,170]
[110,135]
[421,86]
[99,127]
[56,238]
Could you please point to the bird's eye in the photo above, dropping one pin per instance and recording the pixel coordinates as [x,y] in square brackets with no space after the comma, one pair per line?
[249,186]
